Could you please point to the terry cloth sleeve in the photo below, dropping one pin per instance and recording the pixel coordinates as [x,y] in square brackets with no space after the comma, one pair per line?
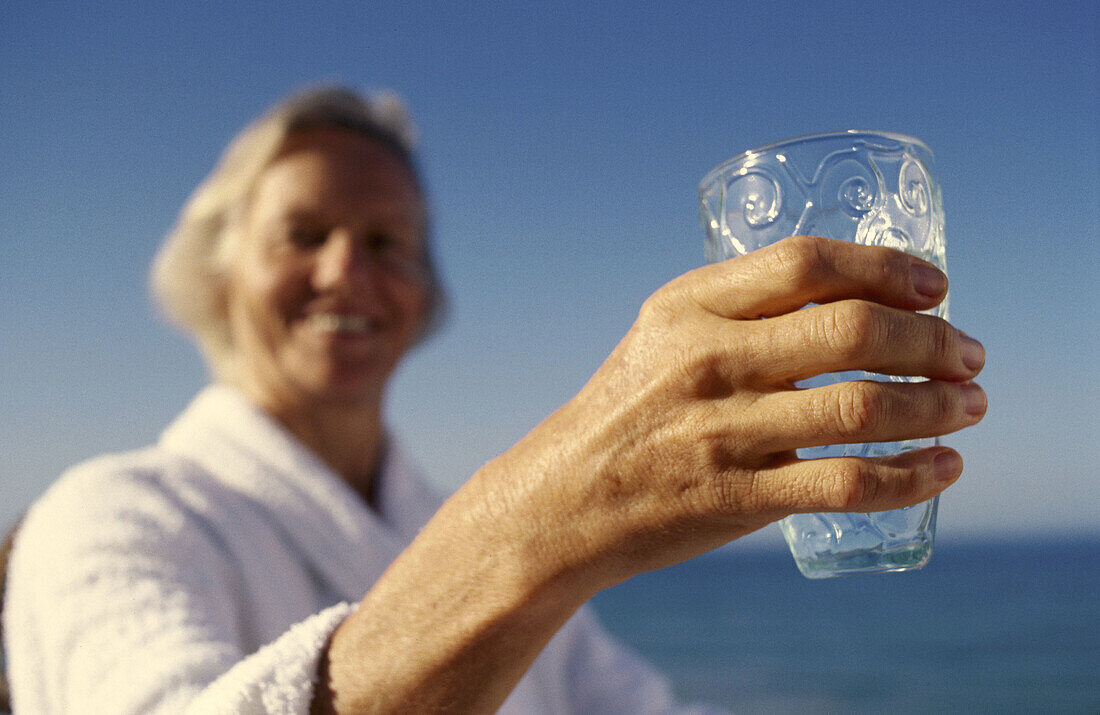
[280,677]
[121,600]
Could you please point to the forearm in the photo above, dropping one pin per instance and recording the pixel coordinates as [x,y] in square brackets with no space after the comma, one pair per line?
[457,619]
[685,439]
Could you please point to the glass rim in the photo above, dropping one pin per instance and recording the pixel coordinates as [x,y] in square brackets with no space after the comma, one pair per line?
[713,174]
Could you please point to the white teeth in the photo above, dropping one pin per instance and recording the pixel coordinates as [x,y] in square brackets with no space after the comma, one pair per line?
[339,323]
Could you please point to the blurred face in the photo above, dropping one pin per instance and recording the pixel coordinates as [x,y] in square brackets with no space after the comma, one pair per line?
[327,288]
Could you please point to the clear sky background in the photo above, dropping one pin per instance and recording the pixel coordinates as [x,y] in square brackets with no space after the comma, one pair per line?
[562,144]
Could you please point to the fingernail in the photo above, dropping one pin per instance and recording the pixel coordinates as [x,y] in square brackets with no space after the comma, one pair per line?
[927,280]
[947,466]
[973,354]
[974,400]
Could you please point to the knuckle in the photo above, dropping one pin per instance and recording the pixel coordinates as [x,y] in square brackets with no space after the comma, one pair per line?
[858,409]
[658,304]
[798,260]
[740,491]
[674,296]
[700,370]
[947,402]
[851,484]
[710,464]
[895,269]
[851,329]
[944,341]
[728,494]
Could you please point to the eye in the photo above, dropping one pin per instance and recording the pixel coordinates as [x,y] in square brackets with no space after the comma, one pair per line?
[305,236]
[396,252]
[381,241]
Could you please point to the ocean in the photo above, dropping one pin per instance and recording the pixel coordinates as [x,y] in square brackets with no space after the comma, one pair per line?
[1000,627]
[1010,627]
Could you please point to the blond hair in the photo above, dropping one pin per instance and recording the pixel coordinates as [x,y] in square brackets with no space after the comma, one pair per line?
[188,275]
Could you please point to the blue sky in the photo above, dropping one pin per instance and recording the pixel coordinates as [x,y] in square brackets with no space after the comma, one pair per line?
[562,144]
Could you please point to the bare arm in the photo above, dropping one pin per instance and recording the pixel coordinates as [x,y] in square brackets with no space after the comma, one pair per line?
[682,441]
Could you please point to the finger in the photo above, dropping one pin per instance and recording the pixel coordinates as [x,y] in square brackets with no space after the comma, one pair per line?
[794,272]
[863,411]
[850,484]
[860,335]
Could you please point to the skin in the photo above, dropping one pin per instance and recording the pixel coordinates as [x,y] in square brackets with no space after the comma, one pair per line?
[683,440]
[334,228]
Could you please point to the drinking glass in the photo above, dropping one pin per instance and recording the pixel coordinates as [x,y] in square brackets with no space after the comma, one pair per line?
[874,188]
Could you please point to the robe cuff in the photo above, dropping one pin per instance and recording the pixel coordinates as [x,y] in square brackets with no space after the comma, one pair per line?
[279,678]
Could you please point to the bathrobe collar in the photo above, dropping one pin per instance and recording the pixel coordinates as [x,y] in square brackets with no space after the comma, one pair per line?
[346,542]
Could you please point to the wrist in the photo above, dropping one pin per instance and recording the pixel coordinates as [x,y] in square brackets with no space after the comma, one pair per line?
[456,620]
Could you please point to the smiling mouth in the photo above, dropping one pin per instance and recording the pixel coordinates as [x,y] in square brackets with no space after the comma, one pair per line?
[341,323]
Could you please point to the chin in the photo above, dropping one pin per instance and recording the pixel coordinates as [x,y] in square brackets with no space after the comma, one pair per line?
[350,388]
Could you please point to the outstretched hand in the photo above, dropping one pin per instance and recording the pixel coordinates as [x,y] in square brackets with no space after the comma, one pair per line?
[684,439]
[686,436]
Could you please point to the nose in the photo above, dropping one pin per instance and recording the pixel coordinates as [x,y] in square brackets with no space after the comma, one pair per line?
[342,262]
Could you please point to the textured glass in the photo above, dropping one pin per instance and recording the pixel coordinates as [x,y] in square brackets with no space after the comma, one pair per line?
[873,188]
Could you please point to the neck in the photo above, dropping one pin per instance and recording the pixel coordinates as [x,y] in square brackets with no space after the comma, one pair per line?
[348,437]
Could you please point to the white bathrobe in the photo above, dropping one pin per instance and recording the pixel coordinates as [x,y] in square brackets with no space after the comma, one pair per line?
[206,573]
